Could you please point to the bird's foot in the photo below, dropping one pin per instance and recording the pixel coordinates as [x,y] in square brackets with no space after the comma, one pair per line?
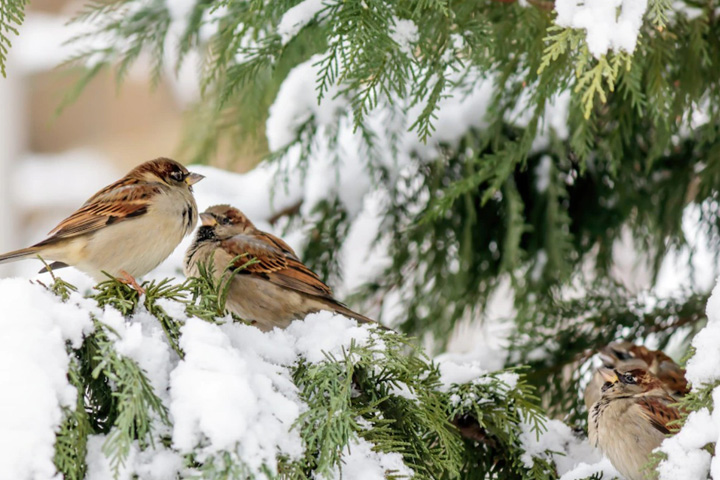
[128,279]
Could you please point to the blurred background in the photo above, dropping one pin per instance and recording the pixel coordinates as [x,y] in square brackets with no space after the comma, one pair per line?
[93,141]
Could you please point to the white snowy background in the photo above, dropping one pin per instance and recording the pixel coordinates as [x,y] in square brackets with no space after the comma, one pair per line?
[248,401]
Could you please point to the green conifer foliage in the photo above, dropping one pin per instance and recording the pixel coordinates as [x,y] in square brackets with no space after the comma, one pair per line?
[12,14]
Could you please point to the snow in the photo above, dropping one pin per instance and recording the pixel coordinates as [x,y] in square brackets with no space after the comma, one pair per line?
[452,373]
[702,368]
[296,103]
[34,329]
[542,174]
[572,454]
[405,34]
[295,18]
[609,24]
[687,458]
[317,337]
[245,405]
[362,463]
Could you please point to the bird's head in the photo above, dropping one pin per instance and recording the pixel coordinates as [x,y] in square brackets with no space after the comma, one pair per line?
[627,383]
[225,221]
[166,171]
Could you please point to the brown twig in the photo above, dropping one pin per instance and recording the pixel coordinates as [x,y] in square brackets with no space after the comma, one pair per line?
[291,210]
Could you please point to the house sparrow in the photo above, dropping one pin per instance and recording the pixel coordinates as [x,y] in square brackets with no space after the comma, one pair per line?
[631,419]
[626,356]
[275,288]
[127,228]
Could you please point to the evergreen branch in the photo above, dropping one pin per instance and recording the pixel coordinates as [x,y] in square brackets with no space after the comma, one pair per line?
[368,383]
[71,439]
[12,15]
[490,412]
[136,404]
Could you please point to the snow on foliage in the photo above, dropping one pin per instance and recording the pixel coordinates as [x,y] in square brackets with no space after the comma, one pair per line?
[246,404]
[34,328]
[297,17]
[232,391]
[610,24]
[687,454]
[405,34]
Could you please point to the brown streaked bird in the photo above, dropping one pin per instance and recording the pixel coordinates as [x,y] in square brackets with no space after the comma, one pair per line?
[625,356]
[126,229]
[631,419]
[272,292]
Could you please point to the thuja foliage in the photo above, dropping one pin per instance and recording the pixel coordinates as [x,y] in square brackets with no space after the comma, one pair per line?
[12,15]
[384,391]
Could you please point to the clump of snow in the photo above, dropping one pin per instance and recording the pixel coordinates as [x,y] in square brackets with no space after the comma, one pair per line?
[452,373]
[34,329]
[324,334]
[227,399]
[686,457]
[583,470]
[405,34]
[362,463]
[610,24]
[702,368]
[572,454]
[542,174]
[297,17]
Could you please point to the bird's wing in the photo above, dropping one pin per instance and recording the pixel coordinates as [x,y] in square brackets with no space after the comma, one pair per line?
[120,201]
[274,261]
[658,412]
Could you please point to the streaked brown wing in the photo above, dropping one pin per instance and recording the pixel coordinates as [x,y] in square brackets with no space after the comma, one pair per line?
[120,201]
[659,413]
[276,262]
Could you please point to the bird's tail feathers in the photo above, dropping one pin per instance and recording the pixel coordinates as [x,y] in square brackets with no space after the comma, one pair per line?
[18,254]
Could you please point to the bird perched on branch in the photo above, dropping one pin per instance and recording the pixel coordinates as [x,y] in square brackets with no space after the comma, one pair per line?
[270,286]
[626,356]
[631,419]
[126,229]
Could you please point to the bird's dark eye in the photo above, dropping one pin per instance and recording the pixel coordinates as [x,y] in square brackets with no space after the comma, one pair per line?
[629,379]
[225,220]
[178,175]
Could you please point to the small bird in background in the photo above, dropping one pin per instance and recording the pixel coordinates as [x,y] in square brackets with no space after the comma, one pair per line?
[626,356]
[272,290]
[126,229]
[631,419]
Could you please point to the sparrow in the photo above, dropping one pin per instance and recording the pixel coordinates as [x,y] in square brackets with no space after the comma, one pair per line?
[274,287]
[126,229]
[625,356]
[631,419]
